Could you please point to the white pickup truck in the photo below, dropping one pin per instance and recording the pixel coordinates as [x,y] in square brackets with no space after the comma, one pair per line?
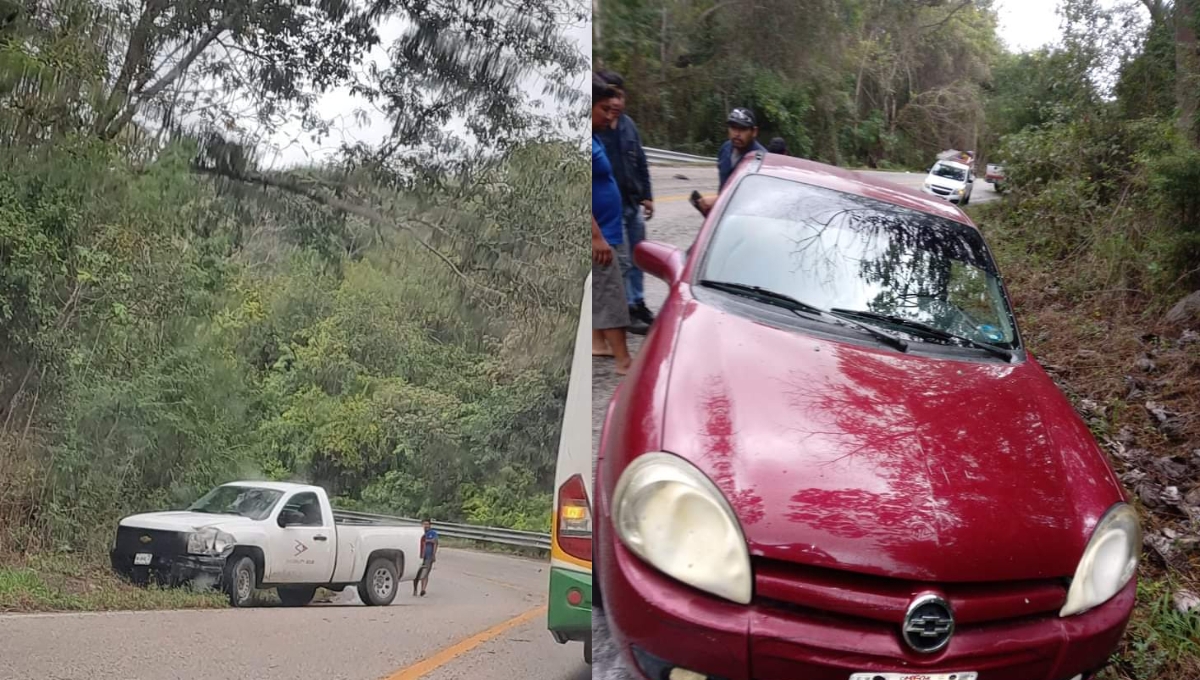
[245,536]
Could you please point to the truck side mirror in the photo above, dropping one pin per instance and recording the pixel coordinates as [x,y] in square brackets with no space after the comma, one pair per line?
[289,517]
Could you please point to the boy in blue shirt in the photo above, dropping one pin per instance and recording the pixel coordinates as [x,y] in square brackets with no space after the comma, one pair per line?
[429,546]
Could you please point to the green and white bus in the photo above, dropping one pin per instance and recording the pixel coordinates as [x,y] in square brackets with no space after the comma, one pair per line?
[570,610]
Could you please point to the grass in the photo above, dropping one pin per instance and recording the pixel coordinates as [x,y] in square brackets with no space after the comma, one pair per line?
[1161,642]
[73,584]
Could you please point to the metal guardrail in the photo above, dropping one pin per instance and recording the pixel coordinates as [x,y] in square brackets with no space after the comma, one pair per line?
[513,537]
[663,157]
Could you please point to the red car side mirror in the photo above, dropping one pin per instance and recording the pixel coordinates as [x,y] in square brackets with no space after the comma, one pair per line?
[659,260]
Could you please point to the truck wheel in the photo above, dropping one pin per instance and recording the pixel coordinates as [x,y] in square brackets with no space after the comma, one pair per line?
[587,652]
[296,596]
[240,578]
[379,583]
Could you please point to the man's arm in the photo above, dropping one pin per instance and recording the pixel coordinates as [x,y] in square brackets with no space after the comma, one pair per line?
[601,252]
[643,166]
[707,202]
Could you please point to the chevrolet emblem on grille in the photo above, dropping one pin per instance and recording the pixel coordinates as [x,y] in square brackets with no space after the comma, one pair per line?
[929,624]
[145,539]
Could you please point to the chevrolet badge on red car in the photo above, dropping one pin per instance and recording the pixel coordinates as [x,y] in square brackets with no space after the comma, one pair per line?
[835,458]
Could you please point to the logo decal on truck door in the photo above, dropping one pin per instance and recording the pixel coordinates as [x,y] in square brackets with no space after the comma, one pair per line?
[300,547]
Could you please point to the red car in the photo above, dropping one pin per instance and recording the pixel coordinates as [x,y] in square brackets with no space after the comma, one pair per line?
[834,459]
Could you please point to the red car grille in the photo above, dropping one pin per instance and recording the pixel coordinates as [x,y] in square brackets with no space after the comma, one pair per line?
[786,585]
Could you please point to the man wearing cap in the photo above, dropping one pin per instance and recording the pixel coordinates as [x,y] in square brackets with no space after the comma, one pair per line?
[743,139]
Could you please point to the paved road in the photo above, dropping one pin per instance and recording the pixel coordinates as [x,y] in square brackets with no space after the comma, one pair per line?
[484,617]
[676,223]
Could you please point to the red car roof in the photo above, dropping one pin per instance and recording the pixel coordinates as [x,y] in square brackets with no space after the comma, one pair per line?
[850,182]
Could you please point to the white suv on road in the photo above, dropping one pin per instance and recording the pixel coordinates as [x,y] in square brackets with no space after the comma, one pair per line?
[950,180]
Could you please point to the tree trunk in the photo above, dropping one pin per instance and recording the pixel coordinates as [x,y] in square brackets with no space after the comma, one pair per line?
[136,56]
[1187,68]
[662,58]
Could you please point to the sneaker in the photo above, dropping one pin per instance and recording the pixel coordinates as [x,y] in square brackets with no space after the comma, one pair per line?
[642,313]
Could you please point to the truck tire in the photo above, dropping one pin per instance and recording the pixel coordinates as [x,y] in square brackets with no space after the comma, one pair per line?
[379,583]
[240,578]
[587,652]
[296,596]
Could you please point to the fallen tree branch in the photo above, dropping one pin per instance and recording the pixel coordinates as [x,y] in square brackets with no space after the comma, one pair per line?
[366,212]
[945,19]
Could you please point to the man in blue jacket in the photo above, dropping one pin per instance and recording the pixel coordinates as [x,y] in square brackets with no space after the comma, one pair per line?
[623,145]
[743,140]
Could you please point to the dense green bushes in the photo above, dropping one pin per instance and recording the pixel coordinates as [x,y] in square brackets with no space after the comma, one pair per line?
[1117,198]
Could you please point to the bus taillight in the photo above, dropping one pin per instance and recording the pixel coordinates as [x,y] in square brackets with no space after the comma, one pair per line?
[575,519]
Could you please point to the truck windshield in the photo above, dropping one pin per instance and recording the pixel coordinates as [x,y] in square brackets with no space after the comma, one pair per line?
[247,501]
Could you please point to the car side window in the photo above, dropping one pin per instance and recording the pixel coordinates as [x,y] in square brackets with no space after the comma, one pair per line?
[306,504]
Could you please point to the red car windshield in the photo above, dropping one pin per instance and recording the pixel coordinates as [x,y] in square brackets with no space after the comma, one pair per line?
[840,251]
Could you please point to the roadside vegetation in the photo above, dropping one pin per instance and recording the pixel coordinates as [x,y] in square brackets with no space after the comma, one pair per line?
[1099,231]
[392,322]
[46,583]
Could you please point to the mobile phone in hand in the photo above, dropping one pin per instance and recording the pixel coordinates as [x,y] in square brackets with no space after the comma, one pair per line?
[694,199]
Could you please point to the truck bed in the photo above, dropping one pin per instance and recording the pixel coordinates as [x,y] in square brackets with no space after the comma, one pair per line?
[347,517]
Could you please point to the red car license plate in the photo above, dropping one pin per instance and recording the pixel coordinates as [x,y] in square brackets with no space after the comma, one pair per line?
[963,675]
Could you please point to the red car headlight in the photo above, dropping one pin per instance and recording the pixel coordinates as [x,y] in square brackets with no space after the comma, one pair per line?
[1109,561]
[667,512]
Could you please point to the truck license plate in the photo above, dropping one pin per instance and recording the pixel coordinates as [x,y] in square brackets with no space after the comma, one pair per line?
[142,558]
[964,675]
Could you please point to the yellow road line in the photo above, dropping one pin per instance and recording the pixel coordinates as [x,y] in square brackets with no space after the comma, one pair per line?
[432,663]
[499,583]
[670,199]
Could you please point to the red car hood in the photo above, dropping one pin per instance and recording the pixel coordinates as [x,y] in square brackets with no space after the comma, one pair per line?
[842,456]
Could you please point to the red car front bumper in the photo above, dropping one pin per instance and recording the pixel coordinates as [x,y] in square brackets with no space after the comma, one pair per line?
[659,623]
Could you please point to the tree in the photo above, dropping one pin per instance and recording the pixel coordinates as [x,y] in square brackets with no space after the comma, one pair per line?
[1187,69]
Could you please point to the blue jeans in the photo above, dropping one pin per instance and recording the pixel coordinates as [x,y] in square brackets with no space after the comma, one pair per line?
[635,233]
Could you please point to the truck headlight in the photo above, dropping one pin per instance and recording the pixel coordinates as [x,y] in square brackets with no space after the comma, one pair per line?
[672,516]
[209,541]
[1109,561]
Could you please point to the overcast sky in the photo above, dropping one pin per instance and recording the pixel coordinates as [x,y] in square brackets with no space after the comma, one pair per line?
[1028,24]
[295,147]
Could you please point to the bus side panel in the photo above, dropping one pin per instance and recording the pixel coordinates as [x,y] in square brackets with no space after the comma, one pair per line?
[571,577]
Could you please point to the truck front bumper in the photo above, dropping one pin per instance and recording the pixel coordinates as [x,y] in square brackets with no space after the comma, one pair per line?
[171,570]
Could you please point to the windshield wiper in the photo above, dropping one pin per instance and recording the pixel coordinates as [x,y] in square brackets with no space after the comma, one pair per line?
[796,306]
[933,331]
